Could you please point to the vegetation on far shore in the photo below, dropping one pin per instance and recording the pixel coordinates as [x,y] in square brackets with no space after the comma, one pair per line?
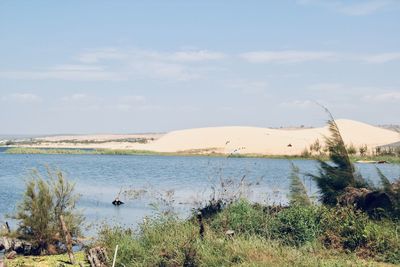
[391,158]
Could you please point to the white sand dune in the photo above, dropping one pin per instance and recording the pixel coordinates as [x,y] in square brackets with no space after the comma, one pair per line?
[243,140]
[248,140]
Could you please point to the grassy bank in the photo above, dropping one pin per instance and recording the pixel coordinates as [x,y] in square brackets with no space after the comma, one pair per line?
[296,236]
[258,236]
[69,151]
[47,261]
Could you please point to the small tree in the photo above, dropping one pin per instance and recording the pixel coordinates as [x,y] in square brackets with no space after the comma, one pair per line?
[351,149]
[298,193]
[316,146]
[39,212]
[334,178]
[363,150]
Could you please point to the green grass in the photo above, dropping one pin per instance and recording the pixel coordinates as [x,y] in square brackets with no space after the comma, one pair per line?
[47,261]
[294,236]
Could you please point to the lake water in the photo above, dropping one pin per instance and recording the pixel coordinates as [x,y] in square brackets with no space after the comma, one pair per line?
[99,178]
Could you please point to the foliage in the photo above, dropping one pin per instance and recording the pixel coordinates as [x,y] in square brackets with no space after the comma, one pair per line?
[316,146]
[298,193]
[294,236]
[351,149]
[46,261]
[297,225]
[344,228]
[352,230]
[241,217]
[393,191]
[363,150]
[38,214]
[334,177]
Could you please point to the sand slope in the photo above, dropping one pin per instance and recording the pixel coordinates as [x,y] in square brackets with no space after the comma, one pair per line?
[267,141]
[243,140]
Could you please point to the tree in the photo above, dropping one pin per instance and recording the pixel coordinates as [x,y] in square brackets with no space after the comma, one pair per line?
[363,150]
[334,177]
[298,193]
[39,211]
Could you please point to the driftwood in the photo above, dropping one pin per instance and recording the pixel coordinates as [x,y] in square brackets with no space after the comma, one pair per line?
[68,240]
[97,257]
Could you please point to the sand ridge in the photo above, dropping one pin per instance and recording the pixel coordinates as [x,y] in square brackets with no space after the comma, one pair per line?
[248,140]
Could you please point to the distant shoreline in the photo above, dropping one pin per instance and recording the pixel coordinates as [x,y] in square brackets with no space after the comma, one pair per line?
[77,151]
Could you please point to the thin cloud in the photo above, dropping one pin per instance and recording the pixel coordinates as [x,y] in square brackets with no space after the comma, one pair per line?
[196,56]
[387,97]
[124,64]
[75,97]
[352,8]
[297,56]
[382,58]
[128,55]
[22,98]
[289,56]
[97,55]
[69,75]
[297,104]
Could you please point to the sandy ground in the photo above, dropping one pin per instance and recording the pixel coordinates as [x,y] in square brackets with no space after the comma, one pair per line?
[243,140]
[99,137]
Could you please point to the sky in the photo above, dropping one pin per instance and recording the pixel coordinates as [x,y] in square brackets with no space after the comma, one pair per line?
[156,66]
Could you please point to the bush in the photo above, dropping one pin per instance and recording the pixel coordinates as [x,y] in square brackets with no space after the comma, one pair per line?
[159,242]
[352,230]
[344,228]
[383,242]
[297,225]
[340,173]
[242,217]
[39,212]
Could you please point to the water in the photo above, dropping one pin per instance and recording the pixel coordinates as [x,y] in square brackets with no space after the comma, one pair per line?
[99,178]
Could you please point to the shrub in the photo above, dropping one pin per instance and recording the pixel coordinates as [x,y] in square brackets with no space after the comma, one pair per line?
[159,242]
[297,225]
[298,193]
[334,178]
[352,230]
[363,150]
[383,241]
[351,149]
[344,227]
[39,212]
[242,217]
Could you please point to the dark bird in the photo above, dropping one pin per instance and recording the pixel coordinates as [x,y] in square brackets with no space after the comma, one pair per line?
[117,202]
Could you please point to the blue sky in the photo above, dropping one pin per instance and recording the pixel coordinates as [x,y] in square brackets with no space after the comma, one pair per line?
[150,66]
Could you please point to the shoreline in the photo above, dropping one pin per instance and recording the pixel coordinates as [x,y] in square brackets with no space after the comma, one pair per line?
[200,153]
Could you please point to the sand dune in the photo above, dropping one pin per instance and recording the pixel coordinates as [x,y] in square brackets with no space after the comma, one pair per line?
[98,137]
[268,141]
[242,140]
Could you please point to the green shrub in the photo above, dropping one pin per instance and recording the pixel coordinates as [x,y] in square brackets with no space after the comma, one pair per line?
[241,217]
[159,242]
[383,241]
[297,225]
[298,193]
[38,214]
[340,173]
[344,228]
